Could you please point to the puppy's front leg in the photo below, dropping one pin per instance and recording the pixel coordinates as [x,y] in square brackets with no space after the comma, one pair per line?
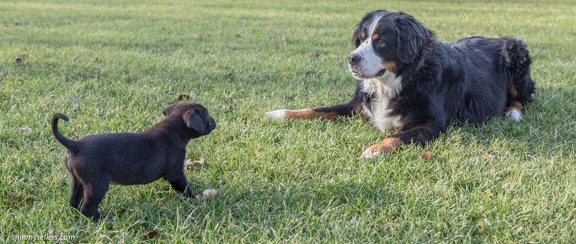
[181,185]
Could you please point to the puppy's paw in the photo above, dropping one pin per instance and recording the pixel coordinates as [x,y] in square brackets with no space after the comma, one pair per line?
[277,114]
[514,115]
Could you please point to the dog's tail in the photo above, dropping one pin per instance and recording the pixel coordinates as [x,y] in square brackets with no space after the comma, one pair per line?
[517,62]
[70,144]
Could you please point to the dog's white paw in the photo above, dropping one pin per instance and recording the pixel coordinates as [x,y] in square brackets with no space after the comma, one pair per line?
[514,115]
[207,194]
[277,114]
[368,154]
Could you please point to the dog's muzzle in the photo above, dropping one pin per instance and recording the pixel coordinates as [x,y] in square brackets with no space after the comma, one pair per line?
[211,125]
[354,64]
[354,59]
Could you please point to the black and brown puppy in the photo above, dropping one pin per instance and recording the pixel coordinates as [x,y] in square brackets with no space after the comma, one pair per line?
[132,158]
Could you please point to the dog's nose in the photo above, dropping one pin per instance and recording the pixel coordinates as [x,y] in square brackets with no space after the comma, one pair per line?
[354,58]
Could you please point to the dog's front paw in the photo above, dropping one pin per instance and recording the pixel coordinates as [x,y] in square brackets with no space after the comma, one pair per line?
[277,114]
[384,147]
[368,154]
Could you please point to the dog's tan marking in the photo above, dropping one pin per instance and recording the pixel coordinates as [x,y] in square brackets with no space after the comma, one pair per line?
[515,105]
[360,110]
[387,145]
[513,91]
[390,65]
[362,35]
[375,36]
[403,122]
[514,109]
[310,114]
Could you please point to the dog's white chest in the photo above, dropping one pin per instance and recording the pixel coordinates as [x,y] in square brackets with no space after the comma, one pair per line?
[379,113]
[378,108]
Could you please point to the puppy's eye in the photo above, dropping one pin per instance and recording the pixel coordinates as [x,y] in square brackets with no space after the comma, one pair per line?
[380,43]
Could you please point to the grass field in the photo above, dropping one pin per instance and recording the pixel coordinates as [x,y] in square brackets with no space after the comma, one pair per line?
[112,66]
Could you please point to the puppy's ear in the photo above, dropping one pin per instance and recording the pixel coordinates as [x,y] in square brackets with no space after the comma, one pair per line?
[167,110]
[412,37]
[193,120]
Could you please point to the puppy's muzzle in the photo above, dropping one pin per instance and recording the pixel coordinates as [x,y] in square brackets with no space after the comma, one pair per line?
[211,125]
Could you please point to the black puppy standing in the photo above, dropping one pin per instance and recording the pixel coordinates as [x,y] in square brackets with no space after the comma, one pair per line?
[96,161]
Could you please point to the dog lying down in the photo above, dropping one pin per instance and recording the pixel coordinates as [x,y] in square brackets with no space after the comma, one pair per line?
[95,161]
[409,82]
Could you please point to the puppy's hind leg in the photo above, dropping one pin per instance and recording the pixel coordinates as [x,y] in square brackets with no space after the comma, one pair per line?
[93,196]
[77,193]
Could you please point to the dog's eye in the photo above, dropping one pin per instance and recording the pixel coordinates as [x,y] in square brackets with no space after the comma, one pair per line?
[379,43]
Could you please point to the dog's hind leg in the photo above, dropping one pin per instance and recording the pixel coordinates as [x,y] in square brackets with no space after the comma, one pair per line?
[93,195]
[521,86]
[77,193]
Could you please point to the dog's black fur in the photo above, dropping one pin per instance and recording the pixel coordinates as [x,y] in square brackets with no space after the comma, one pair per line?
[425,84]
[95,161]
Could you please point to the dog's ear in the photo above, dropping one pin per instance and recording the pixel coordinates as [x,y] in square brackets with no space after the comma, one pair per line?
[357,36]
[193,120]
[412,37]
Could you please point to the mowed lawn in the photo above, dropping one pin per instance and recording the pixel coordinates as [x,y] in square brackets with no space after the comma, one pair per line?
[112,66]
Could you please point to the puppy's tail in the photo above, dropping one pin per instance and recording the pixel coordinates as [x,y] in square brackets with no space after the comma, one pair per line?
[70,144]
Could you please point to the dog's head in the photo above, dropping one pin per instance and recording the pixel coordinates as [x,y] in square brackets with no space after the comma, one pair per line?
[385,43]
[194,116]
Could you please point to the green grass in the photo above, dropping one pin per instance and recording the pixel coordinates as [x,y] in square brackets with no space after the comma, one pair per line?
[112,66]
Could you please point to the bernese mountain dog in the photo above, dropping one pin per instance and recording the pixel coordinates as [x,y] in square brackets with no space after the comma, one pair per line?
[410,82]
